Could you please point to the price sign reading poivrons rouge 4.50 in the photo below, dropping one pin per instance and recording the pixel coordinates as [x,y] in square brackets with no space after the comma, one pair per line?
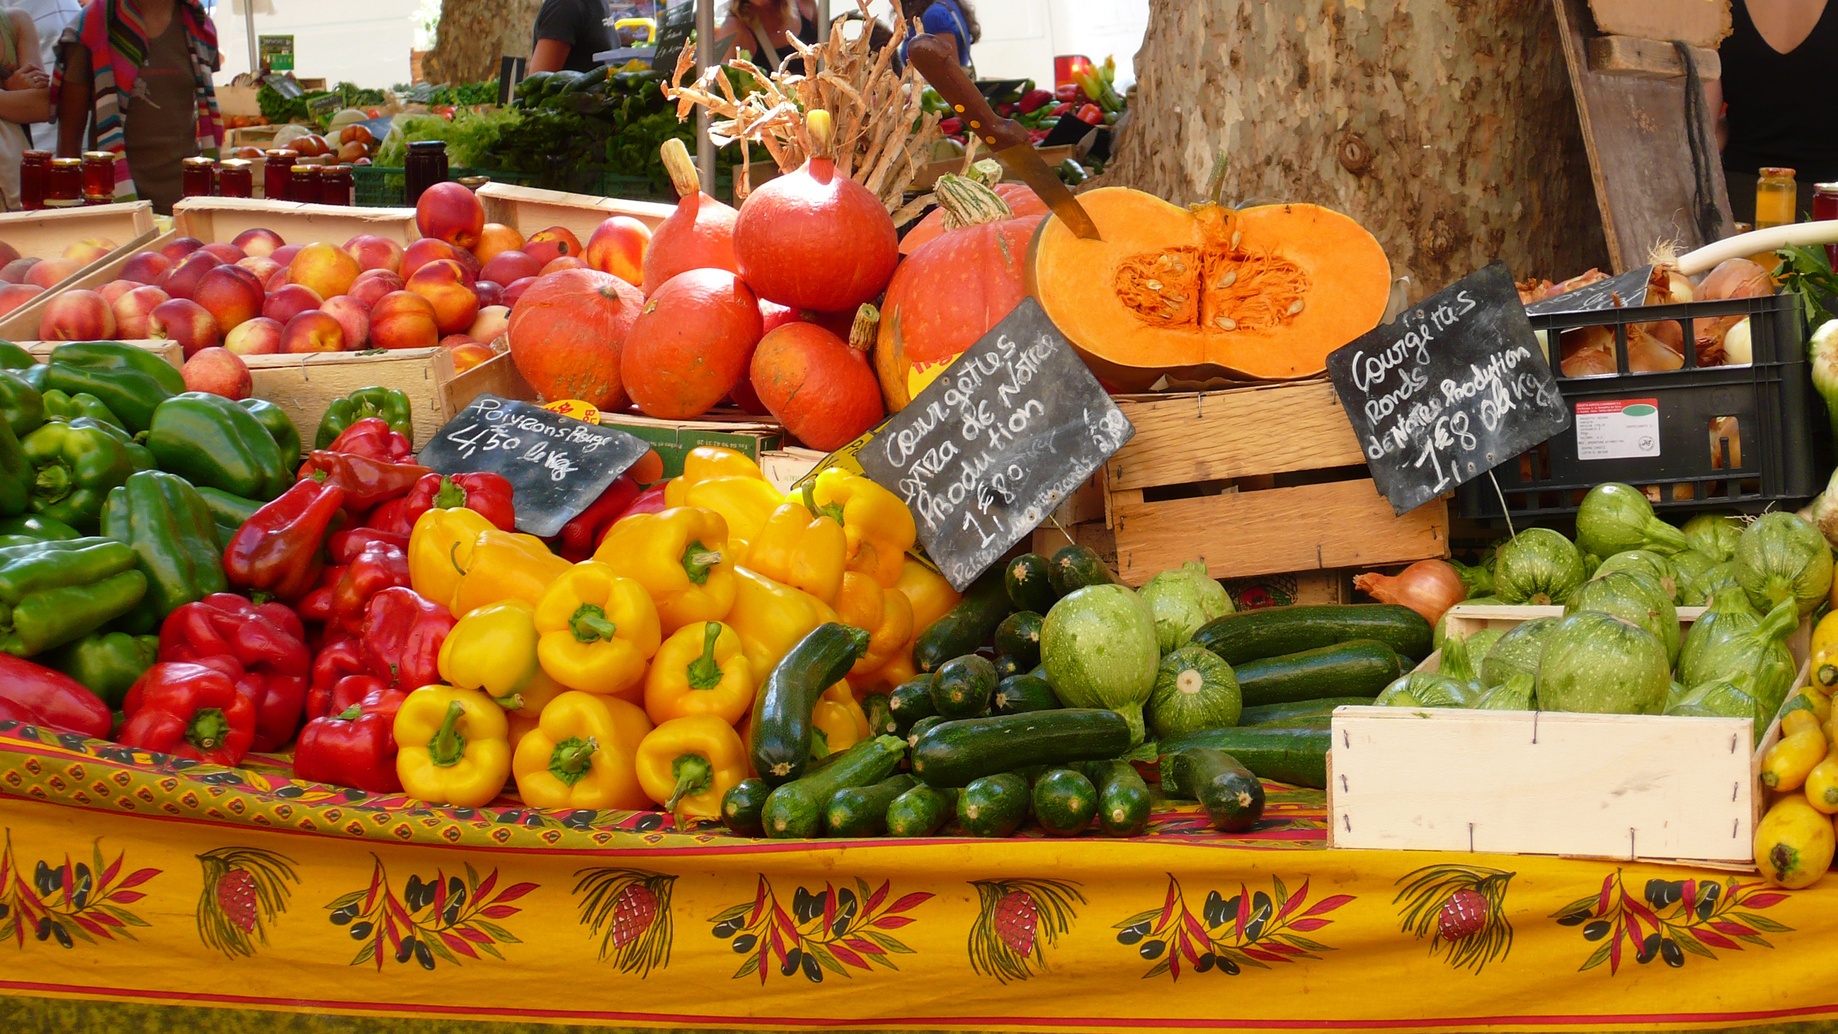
[556,465]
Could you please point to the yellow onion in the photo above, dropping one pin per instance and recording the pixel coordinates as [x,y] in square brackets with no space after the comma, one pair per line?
[1588,352]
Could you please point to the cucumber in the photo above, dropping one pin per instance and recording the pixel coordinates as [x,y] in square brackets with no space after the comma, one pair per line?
[1074,567]
[1297,756]
[1018,637]
[909,702]
[741,805]
[1299,712]
[1232,796]
[962,687]
[780,739]
[920,811]
[993,806]
[1027,583]
[1019,694]
[861,811]
[955,753]
[796,809]
[880,719]
[1362,667]
[1065,802]
[919,728]
[1123,798]
[967,626]
[1256,634]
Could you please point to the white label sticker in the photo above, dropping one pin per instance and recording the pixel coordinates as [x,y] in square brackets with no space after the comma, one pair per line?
[1617,429]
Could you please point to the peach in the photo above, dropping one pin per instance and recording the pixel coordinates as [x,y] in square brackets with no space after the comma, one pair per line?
[507,266]
[450,212]
[618,247]
[219,371]
[146,267]
[228,254]
[179,247]
[290,301]
[490,292]
[8,253]
[134,310]
[374,252]
[76,315]
[263,267]
[16,271]
[443,284]
[420,253]
[231,294]
[545,246]
[183,280]
[259,336]
[89,249]
[12,296]
[455,340]
[312,331]
[373,284]
[564,262]
[184,321]
[469,354]
[326,269]
[490,324]
[114,289]
[52,271]
[353,316]
[258,241]
[403,319]
[285,253]
[514,290]
[495,240]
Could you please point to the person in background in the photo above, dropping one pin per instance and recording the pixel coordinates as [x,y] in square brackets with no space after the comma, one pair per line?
[954,18]
[568,35]
[134,76]
[763,28]
[1776,49]
[25,99]
[50,18]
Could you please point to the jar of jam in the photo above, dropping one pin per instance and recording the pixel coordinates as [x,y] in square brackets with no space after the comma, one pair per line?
[277,174]
[66,183]
[1825,207]
[1775,197]
[235,177]
[473,183]
[337,184]
[303,183]
[99,173]
[34,178]
[198,177]
[425,165]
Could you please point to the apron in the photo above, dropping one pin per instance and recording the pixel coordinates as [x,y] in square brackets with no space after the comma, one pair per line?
[13,139]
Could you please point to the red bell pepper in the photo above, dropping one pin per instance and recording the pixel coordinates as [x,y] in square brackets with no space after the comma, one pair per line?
[651,500]
[580,537]
[380,566]
[366,482]
[391,518]
[344,546]
[189,711]
[267,645]
[355,747]
[36,694]
[487,493]
[338,660]
[372,437]
[402,636]
[318,606]
[277,550]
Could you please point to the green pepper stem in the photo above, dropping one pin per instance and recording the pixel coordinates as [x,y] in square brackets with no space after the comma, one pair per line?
[692,773]
[833,511]
[705,672]
[450,496]
[697,560]
[350,714]
[572,759]
[53,483]
[208,728]
[448,746]
[590,625]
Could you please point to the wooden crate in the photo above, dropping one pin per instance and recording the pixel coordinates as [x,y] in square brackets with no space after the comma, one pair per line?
[1701,23]
[167,350]
[222,218]
[304,385]
[527,209]
[786,467]
[752,436]
[45,234]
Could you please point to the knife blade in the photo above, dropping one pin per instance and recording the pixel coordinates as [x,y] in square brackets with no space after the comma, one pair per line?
[935,58]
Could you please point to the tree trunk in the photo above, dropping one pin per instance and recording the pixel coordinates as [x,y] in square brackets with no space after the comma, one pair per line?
[1446,127]
[474,34]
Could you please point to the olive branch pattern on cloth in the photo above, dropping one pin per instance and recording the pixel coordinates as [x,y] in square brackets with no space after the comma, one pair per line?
[1015,921]
[76,901]
[1671,919]
[825,931]
[633,907]
[439,919]
[1251,928]
[245,888]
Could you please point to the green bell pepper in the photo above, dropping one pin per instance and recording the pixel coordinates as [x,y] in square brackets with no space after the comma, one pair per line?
[280,426]
[15,475]
[211,441]
[115,355]
[74,467]
[12,357]
[388,403]
[61,405]
[108,663]
[228,512]
[129,393]
[54,592]
[21,406]
[138,454]
[162,518]
[38,528]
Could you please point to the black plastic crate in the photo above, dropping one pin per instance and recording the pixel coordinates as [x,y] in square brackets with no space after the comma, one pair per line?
[1777,455]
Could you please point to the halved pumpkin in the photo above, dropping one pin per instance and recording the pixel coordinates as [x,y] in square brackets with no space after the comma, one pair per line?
[1260,293]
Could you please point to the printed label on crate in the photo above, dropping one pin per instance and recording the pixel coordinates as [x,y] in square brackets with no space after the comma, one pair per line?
[1449,390]
[991,448]
[556,465]
[1629,288]
[1617,429]
[576,408]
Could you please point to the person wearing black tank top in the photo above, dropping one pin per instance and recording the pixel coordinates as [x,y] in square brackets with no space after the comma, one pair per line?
[764,28]
[1774,62]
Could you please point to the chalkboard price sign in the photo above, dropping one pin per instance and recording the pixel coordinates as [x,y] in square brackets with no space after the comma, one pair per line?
[990,448]
[1629,288]
[556,465]
[1448,390]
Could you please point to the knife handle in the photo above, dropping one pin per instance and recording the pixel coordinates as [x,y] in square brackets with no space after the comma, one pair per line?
[935,58]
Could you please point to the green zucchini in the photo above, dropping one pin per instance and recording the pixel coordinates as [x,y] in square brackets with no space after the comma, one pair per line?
[993,806]
[921,811]
[780,739]
[962,687]
[1074,567]
[1232,796]
[909,702]
[1275,631]
[966,627]
[880,719]
[741,805]
[1362,667]
[1297,756]
[861,811]
[1123,798]
[954,753]
[1018,637]
[1298,712]
[1027,583]
[1006,666]
[919,728]
[1065,802]
[1019,694]
[796,809]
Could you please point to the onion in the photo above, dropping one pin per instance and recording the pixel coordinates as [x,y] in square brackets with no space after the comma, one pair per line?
[1648,354]
[1588,352]
[1721,428]
[1738,350]
[1680,286]
[1429,587]
[1735,278]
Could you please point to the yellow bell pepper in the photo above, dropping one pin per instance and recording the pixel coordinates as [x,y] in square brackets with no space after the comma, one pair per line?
[452,746]
[504,565]
[597,629]
[898,669]
[884,614]
[687,764]
[743,502]
[583,754]
[681,556]
[837,721]
[699,670]
[705,463]
[930,594]
[771,617]
[878,524]
[1824,652]
[440,550]
[493,648]
[802,551]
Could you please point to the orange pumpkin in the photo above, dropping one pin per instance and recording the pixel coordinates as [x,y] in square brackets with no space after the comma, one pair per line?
[1260,293]
[692,344]
[698,235]
[952,290]
[1020,198]
[819,386]
[568,333]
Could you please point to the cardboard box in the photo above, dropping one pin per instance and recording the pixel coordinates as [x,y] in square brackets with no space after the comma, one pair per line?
[745,434]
